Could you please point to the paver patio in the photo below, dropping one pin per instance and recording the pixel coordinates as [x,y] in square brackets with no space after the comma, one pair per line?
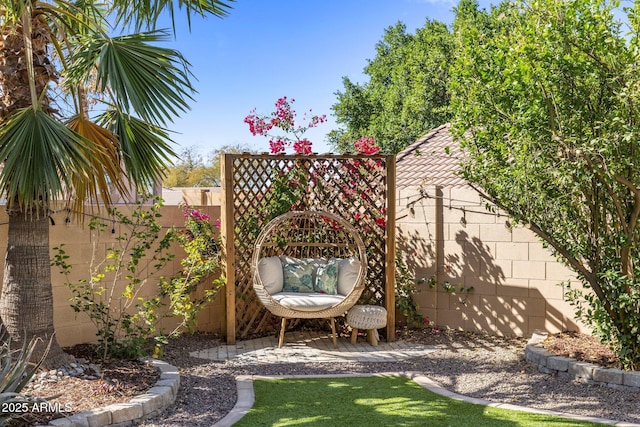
[312,346]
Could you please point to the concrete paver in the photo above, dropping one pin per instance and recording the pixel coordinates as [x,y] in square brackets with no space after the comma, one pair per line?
[312,347]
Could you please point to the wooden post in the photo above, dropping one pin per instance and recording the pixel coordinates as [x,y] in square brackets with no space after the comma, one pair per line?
[227,233]
[390,252]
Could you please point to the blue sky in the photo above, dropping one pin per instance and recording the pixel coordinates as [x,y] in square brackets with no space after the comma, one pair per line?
[266,49]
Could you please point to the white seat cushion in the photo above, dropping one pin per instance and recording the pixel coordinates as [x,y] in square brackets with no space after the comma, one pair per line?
[307,301]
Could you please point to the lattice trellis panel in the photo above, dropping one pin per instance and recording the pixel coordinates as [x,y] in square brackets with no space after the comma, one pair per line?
[257,188]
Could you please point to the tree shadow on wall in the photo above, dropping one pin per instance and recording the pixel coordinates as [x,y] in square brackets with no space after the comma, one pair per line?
[469,288]
[418,251]
[474,262]
[491,301]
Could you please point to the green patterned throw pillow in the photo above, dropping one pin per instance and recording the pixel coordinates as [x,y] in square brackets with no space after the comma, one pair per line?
[297,276]
[327,277]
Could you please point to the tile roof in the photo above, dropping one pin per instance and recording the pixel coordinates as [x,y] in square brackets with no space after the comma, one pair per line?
[426,162]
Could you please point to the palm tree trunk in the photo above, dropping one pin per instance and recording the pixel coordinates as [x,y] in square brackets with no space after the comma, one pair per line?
[26,300]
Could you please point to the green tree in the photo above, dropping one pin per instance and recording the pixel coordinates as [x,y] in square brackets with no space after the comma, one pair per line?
[546,98]
[60,59]
[406,94]
[215,156]
[191,170]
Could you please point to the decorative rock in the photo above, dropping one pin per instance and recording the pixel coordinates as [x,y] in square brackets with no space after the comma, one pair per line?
[74,369]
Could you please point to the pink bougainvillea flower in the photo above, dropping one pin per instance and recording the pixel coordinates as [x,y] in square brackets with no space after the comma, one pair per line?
[302,147]
[366,145]
[381,222]
[257,124]
[284,119]
[276,146]
[218,223]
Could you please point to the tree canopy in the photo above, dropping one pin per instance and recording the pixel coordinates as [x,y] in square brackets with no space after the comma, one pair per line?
[192,171]
[545,102]
[406,94]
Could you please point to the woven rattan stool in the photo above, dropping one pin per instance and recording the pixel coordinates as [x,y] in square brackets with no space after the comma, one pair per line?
[368,317]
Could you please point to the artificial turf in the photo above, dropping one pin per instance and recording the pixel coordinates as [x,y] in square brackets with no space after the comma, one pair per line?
[375,401]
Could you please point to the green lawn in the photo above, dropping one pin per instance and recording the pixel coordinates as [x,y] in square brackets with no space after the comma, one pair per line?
[375,401]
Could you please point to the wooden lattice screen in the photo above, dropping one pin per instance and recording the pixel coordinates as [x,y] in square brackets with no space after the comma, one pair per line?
[359,189]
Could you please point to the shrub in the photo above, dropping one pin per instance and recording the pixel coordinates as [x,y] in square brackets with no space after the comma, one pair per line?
[125,321]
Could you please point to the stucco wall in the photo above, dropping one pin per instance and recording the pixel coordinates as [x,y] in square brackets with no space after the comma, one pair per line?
[447,234]
[73,328]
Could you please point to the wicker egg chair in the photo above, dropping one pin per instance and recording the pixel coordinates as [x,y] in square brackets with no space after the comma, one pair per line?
[311,235]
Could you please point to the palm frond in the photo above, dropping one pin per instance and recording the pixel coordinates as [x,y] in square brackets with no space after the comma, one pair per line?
[146,148]
[145,13]
[42,158]
[150,81]
[104,157]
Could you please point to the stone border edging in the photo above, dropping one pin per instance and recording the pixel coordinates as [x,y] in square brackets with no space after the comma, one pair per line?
[246,396]
[146,405]
[566,367]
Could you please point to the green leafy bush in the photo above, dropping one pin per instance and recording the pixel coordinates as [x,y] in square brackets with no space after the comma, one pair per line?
[125,320]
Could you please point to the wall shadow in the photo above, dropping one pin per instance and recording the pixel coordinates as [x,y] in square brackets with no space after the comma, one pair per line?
[463,285]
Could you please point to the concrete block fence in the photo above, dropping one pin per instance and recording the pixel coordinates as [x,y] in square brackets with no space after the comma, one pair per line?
[447,235]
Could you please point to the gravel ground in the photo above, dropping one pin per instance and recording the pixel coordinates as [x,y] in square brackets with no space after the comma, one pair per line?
[480,366]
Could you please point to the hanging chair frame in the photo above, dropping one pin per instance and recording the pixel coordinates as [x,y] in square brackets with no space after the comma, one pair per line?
[266,246]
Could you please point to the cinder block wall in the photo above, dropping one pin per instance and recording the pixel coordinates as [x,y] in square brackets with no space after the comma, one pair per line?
[449,236]
[75,328]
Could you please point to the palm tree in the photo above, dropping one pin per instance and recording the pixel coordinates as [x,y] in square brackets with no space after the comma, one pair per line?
[83,106]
